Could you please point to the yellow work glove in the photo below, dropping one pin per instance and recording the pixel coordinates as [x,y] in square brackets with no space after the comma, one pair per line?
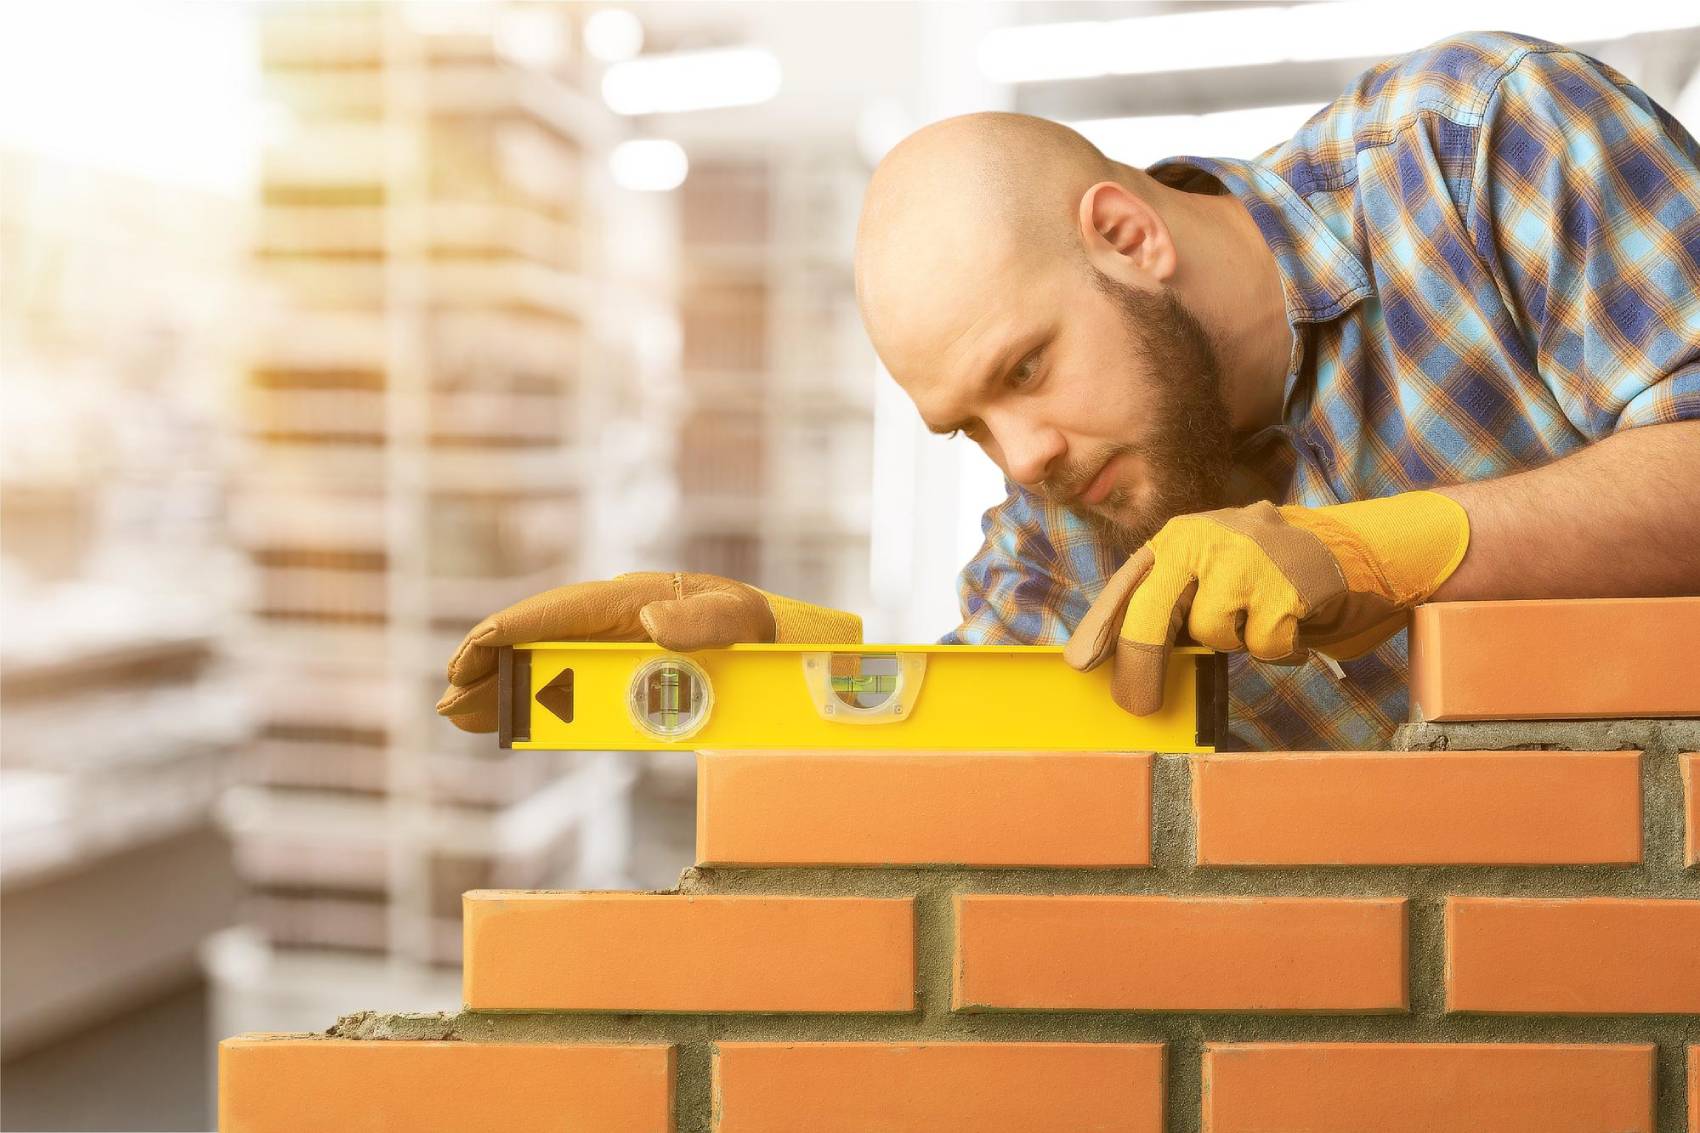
[1274,581]
[674,610]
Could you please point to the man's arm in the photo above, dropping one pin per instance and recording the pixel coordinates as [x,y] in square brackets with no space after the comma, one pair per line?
[1585,205]
[1620,518]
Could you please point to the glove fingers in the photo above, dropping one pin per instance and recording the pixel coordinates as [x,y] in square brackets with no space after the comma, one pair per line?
[1154,619]
[471,708]
[1217,617]
[1274,638]
[476,722]
[708,620]
[459,699]
[482,721]
[583,611]
[1094,639]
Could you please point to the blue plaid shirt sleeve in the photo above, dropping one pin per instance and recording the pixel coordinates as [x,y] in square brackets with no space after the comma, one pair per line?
[1011,592]
[1586,208]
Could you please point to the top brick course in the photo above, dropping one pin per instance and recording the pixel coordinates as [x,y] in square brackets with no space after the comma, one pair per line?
[1596,658]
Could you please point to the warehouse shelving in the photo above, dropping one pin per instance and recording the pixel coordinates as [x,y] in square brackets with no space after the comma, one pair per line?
[775,448]
[421,428]
[118,708]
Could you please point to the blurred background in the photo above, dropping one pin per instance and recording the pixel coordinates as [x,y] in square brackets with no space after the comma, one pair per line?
[326,329]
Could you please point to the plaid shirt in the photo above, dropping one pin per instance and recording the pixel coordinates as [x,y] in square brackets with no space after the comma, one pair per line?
[1490,254]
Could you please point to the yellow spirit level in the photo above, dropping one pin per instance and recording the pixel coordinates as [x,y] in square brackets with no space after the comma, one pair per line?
[620,696]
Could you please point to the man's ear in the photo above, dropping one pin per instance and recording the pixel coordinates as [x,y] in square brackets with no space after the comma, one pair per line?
[1121,229]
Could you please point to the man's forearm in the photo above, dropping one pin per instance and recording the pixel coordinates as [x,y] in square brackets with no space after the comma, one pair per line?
[1620,518]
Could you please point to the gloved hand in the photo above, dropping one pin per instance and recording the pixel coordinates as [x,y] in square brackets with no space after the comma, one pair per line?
[677,611]
[1275,581]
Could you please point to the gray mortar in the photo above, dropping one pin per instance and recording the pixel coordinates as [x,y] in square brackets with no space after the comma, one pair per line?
[1664,736]
[1172,872]
[437,1026]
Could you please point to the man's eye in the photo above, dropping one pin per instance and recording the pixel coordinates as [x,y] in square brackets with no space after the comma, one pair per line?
[1024,374]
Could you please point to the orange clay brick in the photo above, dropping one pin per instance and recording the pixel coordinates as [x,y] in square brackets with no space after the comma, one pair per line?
[1694,1089]
[924,808]
[1180,954]
[1690,763]
[1572,957]
[1555,659]
[1427,1088]
[938,1087]
[1418,808]
[544,951]
[286,1084]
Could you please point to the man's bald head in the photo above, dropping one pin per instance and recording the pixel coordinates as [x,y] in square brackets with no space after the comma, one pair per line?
[960,195]
[1017,284]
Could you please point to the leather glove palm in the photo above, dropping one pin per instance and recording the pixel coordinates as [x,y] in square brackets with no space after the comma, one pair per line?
[1277,582]
[675,610]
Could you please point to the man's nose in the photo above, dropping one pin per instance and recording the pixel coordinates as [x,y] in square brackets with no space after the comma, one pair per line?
[1030,448]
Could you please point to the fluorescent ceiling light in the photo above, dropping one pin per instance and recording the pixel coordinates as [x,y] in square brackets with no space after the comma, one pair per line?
[532,37]
[613,35]
[1243,37]
[692,80]
[1227,133]
[650,165]
[449,19]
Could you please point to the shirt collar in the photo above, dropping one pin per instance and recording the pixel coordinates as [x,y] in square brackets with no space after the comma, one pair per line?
[1321,278]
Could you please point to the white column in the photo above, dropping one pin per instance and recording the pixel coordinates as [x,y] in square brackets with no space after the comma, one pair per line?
[929,493]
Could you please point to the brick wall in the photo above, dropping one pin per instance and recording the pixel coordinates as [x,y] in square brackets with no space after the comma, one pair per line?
[1494,927]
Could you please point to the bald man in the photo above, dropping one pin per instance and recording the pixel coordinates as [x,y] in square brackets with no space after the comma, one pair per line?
[1444,343]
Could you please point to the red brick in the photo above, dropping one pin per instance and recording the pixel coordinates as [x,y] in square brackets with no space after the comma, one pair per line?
[1121,953]
[1427,1088]
[1572,957]
[1555,659]
[1690,764]
[938,1087]
[287,1084]
[1418,808]
[924,808]
[541,951]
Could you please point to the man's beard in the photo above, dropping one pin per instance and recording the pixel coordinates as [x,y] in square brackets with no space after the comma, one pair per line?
[1186,448]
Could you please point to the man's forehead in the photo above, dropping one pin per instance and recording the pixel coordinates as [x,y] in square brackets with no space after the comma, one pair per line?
[945,394]
[1012,317]
[956,323]
[934,350]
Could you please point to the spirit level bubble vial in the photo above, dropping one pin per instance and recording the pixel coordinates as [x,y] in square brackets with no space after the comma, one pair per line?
[622,696]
